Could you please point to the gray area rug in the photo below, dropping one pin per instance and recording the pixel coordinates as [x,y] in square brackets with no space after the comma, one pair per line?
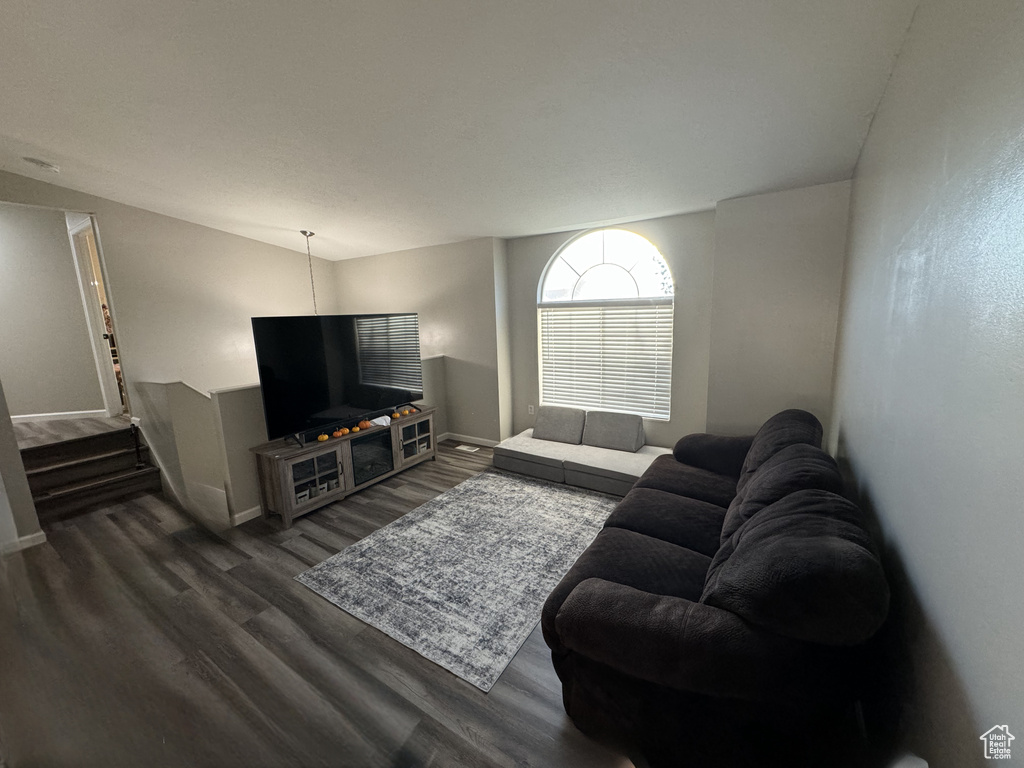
[461,579]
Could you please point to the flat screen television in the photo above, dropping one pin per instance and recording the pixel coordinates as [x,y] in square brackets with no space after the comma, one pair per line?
[319,371]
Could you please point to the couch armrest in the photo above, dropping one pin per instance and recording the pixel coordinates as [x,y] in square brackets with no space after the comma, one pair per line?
[716,453]
[695,647]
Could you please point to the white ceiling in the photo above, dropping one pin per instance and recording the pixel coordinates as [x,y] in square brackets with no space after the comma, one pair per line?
[392,124]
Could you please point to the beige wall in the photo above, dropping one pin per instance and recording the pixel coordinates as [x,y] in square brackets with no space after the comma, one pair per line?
[183,294]
[46,359]
[182,297]
[930,381]
[503,338]
[687,243]
[778,277]
[452,288]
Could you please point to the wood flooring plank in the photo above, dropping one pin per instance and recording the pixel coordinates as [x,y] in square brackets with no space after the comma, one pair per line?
[383,717]
[308,550]
[310,729]
[133,637]
[212,548]
[236,602]
[432,745]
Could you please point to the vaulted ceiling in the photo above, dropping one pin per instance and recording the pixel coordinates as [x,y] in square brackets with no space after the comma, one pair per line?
[392,124]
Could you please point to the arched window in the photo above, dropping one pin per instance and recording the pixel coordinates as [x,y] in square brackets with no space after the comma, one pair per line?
[605,320]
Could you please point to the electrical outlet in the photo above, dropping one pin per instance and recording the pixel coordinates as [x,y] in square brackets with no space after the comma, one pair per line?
[529,409]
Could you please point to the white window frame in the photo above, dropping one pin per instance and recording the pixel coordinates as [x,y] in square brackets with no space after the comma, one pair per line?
[589,369]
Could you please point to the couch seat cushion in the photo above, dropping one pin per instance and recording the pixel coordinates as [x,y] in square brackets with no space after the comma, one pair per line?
[638,561]
[617,465]
[526,447]
[676,519]
[667,474]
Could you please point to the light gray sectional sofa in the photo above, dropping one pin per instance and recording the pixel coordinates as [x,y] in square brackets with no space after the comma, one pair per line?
[600,450]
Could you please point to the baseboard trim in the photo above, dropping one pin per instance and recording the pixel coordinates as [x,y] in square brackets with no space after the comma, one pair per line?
[102,413]
[245,516]
[467,439]
[32,540]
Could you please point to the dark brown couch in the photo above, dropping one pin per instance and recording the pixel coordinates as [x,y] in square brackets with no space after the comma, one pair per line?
[718,617]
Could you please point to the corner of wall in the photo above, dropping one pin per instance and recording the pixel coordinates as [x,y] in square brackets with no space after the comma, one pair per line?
[17,507]
[503,338]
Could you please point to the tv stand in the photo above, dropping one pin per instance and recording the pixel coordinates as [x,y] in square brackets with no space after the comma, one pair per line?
[295,479]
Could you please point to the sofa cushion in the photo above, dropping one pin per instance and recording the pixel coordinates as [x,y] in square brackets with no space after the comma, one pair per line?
[527,466]
[558,424]
[716,453]
[618,431]
[792,469]
[525,447]
[667,474]
[601,469]
[599,483]
[804,567]
[780,431]
[676,519]
[638,561]
[614,464]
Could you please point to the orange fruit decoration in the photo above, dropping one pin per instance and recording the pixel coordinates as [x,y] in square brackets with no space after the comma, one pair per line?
[355,429]
[413,410]
[364,424]
[337,433]
[322,437]
[343,430]
[405,412]
[395,415]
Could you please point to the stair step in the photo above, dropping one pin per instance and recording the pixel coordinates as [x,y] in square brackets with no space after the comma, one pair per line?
[63,502]
[66,451]
[43,479]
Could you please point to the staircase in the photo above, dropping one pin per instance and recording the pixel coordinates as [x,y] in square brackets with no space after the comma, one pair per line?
[73,476]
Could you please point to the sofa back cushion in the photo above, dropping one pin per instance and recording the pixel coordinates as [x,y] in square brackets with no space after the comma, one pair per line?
[804,567]
[780,431]
[560,424]
[794,468]
[618,431]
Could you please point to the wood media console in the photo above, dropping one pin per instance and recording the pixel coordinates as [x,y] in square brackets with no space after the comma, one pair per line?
[297,479]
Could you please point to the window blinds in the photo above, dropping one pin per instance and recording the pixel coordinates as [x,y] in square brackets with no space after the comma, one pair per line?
[608,357]
[389,351]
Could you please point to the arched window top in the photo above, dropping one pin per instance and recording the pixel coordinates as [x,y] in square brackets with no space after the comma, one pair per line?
[607,265]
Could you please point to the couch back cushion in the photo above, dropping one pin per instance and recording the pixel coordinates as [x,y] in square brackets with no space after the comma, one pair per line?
[804,567]
[560,424]
[780,431]
[618,431]
[794,468]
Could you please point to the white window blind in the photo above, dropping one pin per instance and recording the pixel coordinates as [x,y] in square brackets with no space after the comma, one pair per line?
[389,351]
[610,356]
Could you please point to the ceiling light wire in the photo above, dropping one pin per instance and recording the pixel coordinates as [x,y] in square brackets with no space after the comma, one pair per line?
[309,256]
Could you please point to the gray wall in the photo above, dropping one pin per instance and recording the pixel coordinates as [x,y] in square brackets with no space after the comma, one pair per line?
[183,294]
[687,243]
[778,278]
[12,472]
[452,287]
[182,297]
[930,381]
[46,359]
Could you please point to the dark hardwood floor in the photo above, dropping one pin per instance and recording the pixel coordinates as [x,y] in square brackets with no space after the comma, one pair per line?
[31,434]
[134,638]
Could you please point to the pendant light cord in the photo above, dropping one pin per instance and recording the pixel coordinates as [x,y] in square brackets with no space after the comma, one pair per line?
[309,256]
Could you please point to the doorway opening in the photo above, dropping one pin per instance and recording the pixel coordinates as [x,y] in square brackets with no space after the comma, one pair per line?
[98,313]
